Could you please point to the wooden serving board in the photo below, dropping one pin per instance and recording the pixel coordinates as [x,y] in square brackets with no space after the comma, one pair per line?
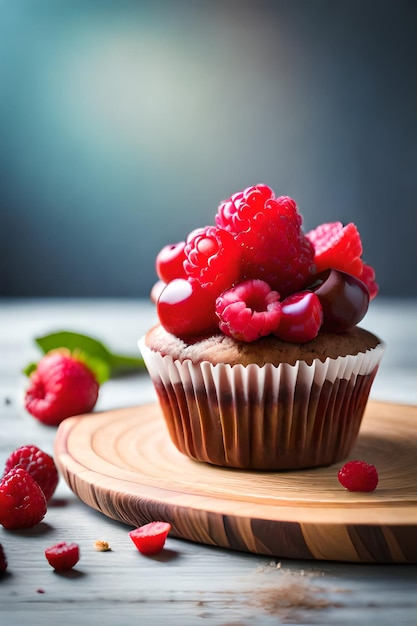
[123,463]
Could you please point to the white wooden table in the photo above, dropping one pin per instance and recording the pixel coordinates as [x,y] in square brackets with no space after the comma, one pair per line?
[187,584]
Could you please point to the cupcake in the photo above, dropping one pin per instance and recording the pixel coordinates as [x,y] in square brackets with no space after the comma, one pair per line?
[258,361]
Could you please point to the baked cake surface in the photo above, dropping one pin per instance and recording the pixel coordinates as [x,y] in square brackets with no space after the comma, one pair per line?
[222,349]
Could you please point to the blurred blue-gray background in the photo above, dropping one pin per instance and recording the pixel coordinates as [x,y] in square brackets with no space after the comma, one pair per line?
[123,124]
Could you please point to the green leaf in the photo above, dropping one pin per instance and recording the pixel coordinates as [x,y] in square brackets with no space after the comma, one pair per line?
[73,341]
[30,368]
[122,363]
[103,361]
[100,368]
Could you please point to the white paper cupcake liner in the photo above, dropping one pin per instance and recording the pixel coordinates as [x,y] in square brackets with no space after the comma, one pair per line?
[266,418]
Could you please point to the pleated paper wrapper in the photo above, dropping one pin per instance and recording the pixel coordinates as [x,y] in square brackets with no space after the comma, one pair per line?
[264,417]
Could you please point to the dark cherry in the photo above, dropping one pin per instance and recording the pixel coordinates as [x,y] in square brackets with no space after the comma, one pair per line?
[344,298]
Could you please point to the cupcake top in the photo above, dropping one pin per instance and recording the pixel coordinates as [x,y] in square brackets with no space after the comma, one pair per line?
[219,348]
[254,277]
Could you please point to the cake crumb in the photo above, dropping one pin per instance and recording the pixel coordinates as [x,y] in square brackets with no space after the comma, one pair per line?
[102,546]
[292,592]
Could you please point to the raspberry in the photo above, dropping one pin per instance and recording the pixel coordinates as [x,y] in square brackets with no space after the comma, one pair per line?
[337,247]
[249,310]
[22,502]
[368,277]
[268,230]
[3,560]
[212,258]
[236,214]
[301,317]
[63,556]
[150,538]
[61,386]
[39,464]
[358,476]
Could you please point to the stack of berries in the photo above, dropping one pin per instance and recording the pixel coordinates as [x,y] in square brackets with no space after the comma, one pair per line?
[255,272]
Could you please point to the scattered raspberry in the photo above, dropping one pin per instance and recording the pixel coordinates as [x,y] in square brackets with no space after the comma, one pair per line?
[61,386]
[39,464]
[248,311]
[358,476]
[3,560]
[268,230]
[368,277]
[101,546]
[337,247]
[63,556]
[22,502]
[150,538]
[212,258]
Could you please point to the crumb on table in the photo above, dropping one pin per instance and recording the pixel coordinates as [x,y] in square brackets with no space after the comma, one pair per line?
[101,546]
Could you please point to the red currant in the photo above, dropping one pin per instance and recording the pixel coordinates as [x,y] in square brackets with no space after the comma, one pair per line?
[186,309]
[169,262]
[301,317]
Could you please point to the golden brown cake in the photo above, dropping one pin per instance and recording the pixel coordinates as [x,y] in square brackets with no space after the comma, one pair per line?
[222,349]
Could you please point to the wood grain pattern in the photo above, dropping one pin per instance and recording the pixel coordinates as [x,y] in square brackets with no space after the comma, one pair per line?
[123,464]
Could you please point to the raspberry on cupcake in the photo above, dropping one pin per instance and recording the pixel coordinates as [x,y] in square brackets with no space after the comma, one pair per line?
[257,359]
